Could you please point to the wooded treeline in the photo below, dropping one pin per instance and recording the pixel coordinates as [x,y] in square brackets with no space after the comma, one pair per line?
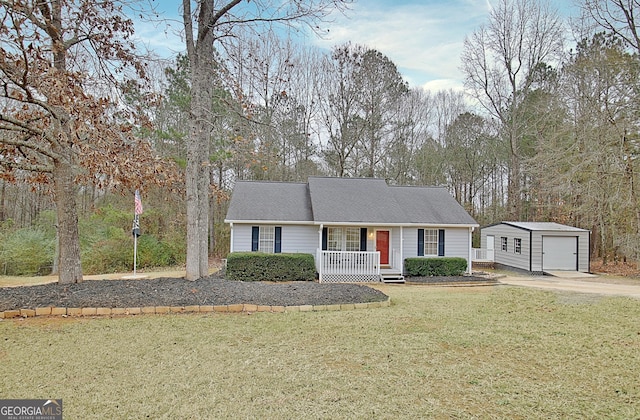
[547,128]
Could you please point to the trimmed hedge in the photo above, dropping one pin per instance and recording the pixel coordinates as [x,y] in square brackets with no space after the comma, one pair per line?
[444,266]
[257,266]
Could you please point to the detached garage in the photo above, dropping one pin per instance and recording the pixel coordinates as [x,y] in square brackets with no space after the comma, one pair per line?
[538,246]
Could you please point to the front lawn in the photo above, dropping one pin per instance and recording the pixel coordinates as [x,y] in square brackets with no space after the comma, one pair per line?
[435,353]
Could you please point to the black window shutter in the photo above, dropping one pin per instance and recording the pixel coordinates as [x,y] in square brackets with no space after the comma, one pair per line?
[255,236]
[324,239]
[441,243]
[363,239]
[277,246]
[420,242]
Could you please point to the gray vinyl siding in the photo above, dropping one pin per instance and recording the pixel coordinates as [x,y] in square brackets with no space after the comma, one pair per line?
[295,238]
[531,258]
[300,239]
[456,242]
[584,259]
[241,238]
[509,257]
[396,243]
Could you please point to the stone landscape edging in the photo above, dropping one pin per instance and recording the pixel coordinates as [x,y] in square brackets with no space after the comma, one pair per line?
[237,308]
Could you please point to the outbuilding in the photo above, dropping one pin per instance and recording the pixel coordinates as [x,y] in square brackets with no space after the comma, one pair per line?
[537,247]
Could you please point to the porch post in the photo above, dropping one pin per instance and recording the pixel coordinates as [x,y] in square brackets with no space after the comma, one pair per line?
[470,259]
[319,253]
[231,238]
[401,247]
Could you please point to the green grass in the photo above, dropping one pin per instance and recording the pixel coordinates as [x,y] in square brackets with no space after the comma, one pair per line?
[485,352]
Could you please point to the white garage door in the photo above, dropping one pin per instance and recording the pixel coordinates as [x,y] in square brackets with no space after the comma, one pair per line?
[559,253]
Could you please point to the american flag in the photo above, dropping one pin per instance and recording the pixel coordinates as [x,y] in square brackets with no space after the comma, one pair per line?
[138,201]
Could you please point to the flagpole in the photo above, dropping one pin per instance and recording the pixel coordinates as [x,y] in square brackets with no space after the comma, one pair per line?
[135,252]
[136,229]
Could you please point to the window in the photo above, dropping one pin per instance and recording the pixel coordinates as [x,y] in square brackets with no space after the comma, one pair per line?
[343,239]
[352,239]
[334,239]
[503,243]
[267,239]
[517,245]
[431,242]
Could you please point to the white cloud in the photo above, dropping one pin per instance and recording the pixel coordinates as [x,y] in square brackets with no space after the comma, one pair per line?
[424,39]
[443,84]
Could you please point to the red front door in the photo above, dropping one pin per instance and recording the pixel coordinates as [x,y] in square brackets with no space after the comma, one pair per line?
[382,246]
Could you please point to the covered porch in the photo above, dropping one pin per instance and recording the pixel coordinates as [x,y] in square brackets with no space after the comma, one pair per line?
[357,266]
[357,253]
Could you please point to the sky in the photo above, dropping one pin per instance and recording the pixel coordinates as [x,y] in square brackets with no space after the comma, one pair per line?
[424,38]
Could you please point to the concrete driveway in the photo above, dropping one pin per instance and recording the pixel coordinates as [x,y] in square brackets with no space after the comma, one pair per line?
[601,285]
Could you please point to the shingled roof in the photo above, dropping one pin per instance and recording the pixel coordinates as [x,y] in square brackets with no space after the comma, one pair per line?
[270,201]
[344,200]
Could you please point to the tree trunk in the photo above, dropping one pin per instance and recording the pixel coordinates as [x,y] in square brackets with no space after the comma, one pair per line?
[197,185]
[69,268]
[193,245]
[2,196]
[198,175]
[513,189]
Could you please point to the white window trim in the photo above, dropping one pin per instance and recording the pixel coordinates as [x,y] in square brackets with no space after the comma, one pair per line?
[342,246]
[434,242]
[517,246]
[266,239]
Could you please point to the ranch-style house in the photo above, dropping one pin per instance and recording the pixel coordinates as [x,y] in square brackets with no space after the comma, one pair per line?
[358,229]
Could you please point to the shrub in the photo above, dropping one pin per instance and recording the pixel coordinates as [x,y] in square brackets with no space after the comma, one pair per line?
[26,252]
[445,266]
[256,266]
[107,243]
[154,253]
[111,253]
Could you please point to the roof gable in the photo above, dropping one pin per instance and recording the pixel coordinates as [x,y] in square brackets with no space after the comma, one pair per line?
[358,200]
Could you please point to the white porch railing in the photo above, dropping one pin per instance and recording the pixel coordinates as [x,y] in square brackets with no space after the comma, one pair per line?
[351,266]
[395,261]
[480,254]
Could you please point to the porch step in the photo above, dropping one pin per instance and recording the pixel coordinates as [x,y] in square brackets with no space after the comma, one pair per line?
[392,278]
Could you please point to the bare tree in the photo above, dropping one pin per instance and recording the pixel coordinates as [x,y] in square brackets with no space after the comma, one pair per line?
[469,145]
[619,17]
[411,131]
[206,25]
[337,95]
[447,106]
[595,166]
[498,59]
[382,91]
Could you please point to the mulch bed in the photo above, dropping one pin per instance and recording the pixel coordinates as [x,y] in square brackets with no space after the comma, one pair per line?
[180,292]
